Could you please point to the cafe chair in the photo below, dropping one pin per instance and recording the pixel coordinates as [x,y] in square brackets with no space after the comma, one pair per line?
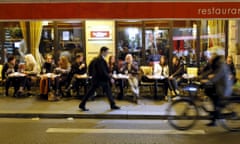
[144,83]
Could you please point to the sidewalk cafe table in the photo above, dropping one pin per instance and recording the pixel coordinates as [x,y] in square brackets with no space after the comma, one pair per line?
[121,78]
[49,75]
[16,77]
[16,74]
[156,78]
[85,78]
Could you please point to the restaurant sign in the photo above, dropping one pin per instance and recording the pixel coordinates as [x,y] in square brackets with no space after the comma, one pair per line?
[120,10]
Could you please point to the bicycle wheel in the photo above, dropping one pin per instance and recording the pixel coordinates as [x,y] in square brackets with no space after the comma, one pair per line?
[230,116]
[182,114]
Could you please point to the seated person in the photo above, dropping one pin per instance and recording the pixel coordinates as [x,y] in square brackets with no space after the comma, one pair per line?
[31,70]
[62,70]
[48,65]
[45,82]
[176,75]
[162,70]
[130,68]
[8,68]
[113,68]
[221,85]
[78,68]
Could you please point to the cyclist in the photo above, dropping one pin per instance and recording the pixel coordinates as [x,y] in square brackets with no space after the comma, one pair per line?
[218,83]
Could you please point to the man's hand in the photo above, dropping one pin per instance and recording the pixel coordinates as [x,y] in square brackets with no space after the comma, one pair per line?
[112,81]
[210,76]
[204,81]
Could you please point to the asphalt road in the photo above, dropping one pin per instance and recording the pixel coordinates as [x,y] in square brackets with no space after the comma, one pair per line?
[93,131]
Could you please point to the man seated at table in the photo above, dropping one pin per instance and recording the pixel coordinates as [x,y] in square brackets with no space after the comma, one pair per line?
[8,68]
[130,68]
[79,68]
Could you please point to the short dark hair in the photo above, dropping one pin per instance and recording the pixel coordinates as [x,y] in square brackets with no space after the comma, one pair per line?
[78,55]
[103,49]
[10,58]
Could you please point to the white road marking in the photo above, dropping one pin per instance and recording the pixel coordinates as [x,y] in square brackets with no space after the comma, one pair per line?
[124,131]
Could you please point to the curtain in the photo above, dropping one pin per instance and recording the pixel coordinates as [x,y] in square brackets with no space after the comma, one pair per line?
[216,28]
[35,36]
[35,31]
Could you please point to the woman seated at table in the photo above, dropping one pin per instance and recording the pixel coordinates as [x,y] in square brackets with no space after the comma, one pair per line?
[176,75]
[162,69]
[45,82]
[113,68]
[79,68]
[31,70]
[62,70]
[9,68]
[130,68]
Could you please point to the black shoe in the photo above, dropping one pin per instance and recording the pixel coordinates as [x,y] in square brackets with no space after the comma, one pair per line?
[82,107]
[68,94]
[135,99]
[19,94]
[211,124]
[114,107]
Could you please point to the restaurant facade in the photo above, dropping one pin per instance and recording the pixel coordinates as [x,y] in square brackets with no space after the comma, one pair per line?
[187,29]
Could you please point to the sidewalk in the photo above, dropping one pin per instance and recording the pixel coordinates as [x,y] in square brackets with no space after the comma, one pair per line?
[32,107]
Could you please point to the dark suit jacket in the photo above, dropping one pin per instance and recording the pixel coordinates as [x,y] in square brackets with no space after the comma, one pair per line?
[101,73]
[6,66]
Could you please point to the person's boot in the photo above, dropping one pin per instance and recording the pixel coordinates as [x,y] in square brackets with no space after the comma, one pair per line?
[114,107]
[82,107]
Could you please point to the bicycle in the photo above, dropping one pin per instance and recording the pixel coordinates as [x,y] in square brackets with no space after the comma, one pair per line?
[185,112]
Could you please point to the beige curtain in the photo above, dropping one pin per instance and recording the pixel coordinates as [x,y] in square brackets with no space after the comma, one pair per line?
[216,27]
[35,28]
[35,36]
[24,30]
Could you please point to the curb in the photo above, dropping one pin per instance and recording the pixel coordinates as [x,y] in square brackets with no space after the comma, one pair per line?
[90,116]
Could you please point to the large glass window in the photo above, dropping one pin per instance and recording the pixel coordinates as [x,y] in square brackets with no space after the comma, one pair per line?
[62,37]
[129,40]
[156,40]
[11,39]
[184,41]
[213,35]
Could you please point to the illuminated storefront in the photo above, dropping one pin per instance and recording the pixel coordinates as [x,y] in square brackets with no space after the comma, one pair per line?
[172,28]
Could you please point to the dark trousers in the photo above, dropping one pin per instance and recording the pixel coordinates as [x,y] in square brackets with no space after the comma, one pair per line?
[11,81]
[94,85]
[210,91]
[165,85]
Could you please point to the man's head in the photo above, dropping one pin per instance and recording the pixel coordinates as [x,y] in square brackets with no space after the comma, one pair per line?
[79,57]
[12,59]
[104,51]
[49,58]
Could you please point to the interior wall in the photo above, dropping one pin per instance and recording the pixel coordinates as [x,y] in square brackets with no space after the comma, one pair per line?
[99,33]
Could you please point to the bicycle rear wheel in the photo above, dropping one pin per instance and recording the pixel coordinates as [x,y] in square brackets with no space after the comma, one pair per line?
[230,116]
[182,114]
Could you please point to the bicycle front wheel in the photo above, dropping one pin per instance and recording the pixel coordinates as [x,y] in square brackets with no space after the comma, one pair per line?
[182,114]
[230,116]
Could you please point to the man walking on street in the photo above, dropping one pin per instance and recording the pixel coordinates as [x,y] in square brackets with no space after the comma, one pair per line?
[100,77]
